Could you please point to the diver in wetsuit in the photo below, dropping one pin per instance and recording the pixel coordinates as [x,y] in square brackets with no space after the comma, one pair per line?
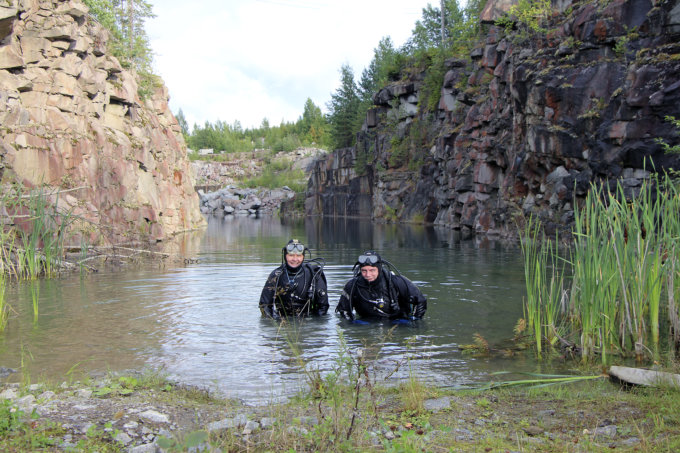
[377,292]
[297,287]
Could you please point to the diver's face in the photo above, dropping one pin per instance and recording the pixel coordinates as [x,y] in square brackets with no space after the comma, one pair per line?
[294,260]
[370,273]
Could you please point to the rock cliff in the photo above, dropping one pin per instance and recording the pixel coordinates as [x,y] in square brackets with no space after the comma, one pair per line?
[523,126]
[73,123]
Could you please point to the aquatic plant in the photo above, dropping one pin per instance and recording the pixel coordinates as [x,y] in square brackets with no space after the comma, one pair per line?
[33,232]
[544,279]
[4,309]
[624,280]
[35,298]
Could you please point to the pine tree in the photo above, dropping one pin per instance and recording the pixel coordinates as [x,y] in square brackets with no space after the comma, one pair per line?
[344,109]
[378,72]
[182,121]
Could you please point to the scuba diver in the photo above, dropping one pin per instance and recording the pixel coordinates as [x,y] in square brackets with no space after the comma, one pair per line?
[297,287]
[377,290]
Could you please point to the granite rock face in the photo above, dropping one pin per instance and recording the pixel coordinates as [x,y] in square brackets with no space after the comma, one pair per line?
[523,127]
[72,122]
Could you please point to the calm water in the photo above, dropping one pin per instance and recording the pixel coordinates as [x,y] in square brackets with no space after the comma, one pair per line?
[200,321]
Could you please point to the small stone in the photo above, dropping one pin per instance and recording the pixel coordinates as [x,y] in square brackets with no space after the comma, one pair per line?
[25,403]
[267,422]
[309,421]
[605,431]
[154,416]
[251,427]
[123,438]
[299,430]
[9,394]
[533,430]
[437,404]
[46,396]
[240,420]
[144,448]
[84,393]
[227,423]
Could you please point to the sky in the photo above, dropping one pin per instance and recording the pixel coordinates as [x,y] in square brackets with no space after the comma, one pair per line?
[247,60]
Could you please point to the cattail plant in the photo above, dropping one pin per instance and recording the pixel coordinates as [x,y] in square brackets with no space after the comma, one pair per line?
[544,277]
[624,274]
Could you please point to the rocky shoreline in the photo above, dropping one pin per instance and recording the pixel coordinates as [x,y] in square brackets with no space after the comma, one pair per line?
[232,200]
[137,414]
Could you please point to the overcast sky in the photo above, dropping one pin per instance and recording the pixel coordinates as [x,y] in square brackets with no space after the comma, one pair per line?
[247,60]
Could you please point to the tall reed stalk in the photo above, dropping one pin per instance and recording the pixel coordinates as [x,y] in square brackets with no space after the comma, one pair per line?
[35,298]
[4,309]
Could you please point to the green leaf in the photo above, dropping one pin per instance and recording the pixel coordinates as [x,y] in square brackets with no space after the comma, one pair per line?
[195,439]
[165,443]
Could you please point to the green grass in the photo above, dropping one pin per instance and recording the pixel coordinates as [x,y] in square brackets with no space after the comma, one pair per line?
[276,174]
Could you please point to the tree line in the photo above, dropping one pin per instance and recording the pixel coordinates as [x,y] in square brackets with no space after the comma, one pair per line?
[442,32]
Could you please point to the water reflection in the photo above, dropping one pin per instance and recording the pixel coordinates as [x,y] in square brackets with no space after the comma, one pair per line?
[198,319]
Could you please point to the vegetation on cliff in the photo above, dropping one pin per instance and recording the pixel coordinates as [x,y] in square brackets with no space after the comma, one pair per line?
[124,19]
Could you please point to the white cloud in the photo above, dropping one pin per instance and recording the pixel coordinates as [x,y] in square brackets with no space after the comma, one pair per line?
[247,60]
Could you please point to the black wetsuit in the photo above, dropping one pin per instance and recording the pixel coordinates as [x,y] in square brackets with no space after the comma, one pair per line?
[389,296]
[299,291]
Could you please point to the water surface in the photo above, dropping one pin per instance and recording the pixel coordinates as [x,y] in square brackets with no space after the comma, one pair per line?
[199,321]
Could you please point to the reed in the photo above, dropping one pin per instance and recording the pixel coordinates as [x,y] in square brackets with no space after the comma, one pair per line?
[33,234]
[624,274]
[544,278]
[595,287]
[533,266]
[35,299]
[4,309]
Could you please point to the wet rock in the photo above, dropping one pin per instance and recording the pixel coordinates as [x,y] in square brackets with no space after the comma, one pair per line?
[4,371]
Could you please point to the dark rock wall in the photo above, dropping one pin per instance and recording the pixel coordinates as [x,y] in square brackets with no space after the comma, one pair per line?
[522,128]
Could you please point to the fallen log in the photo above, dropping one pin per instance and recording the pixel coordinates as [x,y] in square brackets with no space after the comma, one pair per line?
[641,376]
